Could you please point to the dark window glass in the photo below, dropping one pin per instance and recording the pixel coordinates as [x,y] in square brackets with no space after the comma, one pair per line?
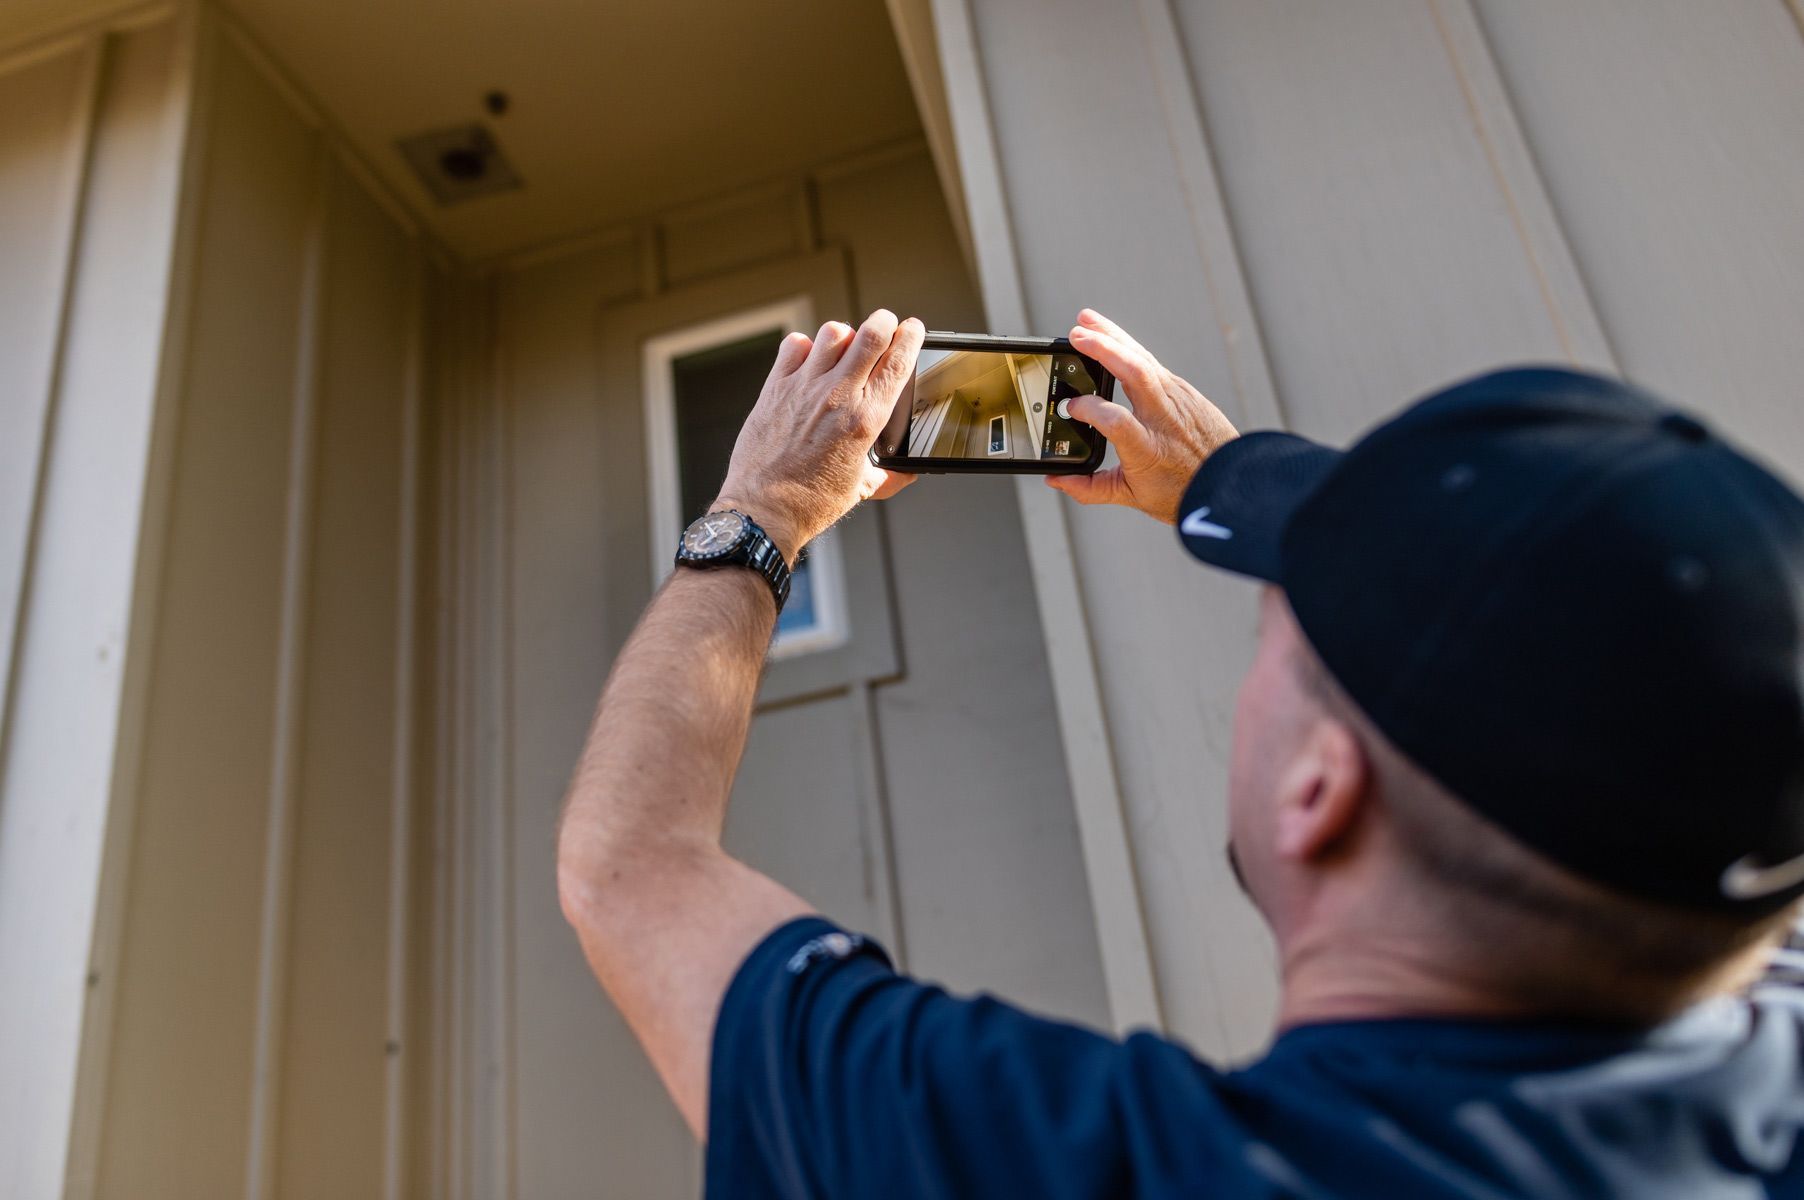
[712,391]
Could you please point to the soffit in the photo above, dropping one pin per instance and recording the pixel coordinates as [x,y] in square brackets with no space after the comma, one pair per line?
[618,110]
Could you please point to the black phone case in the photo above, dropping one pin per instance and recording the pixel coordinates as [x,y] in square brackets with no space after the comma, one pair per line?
[1105,387]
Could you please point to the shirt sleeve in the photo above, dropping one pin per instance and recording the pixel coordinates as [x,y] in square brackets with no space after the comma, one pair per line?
[834,1076]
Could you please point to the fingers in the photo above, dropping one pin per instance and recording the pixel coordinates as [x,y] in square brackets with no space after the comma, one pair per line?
[791,352]
[1089,318]
[1116,423]
[1104,487]
[1125,359]
[897,363]
[867,346]
[829,344]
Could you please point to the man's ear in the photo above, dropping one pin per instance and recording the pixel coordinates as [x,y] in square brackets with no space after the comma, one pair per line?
[1323,793]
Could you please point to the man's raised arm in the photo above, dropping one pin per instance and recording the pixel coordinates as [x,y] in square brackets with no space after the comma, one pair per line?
[664,915]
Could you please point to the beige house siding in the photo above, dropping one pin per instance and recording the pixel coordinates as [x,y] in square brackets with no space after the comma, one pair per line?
[253,1007]
[93,150]
[1671,140]
[208,754]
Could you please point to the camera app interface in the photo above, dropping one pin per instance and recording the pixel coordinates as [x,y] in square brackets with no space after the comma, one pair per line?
[989,404]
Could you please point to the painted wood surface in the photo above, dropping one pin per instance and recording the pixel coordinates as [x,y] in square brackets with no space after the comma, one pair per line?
[90,170]
[1671,137]
[205,781]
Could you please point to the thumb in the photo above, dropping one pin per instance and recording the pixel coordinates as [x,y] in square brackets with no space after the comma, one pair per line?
[1116,423]
[880,484]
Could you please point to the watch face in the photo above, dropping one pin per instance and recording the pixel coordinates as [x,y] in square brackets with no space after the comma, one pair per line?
[713,534]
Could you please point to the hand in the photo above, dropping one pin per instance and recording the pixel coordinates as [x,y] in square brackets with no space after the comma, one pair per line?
[1171,430]
[802,460]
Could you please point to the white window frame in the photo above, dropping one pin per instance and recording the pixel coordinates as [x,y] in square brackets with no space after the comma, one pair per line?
[664,483]
[990,442]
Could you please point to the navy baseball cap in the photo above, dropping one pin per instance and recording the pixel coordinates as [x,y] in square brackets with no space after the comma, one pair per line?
[1573,605]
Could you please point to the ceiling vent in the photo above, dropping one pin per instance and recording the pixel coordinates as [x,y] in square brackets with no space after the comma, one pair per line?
[459,164]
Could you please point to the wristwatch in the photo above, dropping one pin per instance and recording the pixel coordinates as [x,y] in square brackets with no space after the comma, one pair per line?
[729,538]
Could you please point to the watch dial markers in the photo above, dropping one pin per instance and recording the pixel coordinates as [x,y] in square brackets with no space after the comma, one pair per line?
[713,533]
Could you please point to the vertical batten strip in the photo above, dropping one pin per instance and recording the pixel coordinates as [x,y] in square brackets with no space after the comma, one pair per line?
[1115,899]
[184,132]
[1223,277]
[291,654]
[467,964]
[500,692]
[400,1049]
[458,1150]
[874,815]
[78,158]
[444,627]
[1570,307]
[47,1157]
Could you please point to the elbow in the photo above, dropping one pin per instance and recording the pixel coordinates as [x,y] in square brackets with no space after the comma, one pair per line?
[582,873]
[608,876]
[579,895]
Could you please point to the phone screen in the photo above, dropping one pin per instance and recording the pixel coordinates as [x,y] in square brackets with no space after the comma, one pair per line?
[991,405]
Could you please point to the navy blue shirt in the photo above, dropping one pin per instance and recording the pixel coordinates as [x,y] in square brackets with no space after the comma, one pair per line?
[834,1076]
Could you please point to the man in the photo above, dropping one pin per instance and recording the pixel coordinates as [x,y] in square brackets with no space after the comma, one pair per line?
[1517,781]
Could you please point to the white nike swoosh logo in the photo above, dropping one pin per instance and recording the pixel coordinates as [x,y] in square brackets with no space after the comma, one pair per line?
[1197,524]
[1746,879]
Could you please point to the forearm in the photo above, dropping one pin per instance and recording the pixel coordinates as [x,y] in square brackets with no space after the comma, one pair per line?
[667,736]
[663,914]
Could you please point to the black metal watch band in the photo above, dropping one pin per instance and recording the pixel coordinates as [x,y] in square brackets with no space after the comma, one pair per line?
[762,556]
[754,549]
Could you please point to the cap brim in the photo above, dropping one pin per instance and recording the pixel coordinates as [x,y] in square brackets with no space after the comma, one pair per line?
[1237,506]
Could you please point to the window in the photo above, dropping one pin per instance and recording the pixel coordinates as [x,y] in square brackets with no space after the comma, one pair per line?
[700,383]
[999,435]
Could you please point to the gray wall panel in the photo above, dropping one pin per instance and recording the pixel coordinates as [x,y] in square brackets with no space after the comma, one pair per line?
[1108,210]
[41,158]
[992,887]
[335,1027]
[177,1120]
[70,684]
[1672,138]
[1380,250]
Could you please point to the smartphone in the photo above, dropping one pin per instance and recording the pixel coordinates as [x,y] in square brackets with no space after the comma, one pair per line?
[996,404]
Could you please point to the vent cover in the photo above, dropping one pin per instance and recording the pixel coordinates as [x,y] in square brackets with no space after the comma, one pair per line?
[460,163]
